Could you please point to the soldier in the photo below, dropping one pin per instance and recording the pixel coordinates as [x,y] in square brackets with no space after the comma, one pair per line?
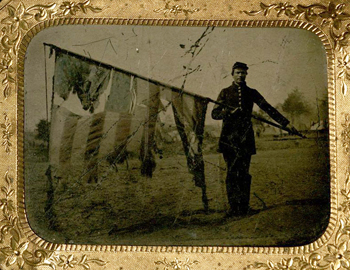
[237,143]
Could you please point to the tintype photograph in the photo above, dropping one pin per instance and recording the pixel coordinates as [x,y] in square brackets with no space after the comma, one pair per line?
[155,135]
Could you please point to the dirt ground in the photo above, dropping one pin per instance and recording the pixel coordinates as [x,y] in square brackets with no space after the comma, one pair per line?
[290,190]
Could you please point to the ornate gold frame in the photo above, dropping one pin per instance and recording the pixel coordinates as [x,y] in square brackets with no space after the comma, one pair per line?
[21,20]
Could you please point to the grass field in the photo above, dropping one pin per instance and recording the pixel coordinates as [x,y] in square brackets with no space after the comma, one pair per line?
[290,188]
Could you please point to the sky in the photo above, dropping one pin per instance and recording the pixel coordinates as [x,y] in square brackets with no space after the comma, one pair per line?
[279,59]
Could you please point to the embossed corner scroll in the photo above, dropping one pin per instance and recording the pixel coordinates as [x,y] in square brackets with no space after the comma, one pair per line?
[332,15]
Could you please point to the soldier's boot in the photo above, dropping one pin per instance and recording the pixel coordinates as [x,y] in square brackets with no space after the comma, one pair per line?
[233,196]
[245,194]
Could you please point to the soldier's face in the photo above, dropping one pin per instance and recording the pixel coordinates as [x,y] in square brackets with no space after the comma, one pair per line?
[239,75]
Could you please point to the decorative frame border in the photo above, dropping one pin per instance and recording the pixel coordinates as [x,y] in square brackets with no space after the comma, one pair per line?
[21,248]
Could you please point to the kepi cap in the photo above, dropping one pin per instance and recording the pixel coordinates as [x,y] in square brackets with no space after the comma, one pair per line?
[240,65]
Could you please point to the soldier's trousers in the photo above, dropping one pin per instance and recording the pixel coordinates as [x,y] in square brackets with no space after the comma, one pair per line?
[238,182]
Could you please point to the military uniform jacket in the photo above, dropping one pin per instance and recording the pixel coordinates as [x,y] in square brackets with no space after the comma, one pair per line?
[237,135]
